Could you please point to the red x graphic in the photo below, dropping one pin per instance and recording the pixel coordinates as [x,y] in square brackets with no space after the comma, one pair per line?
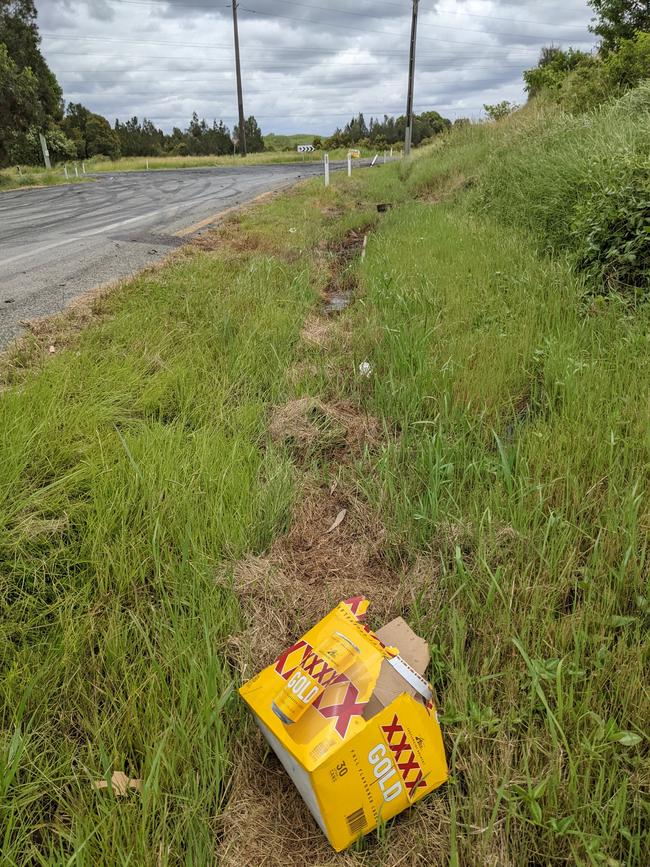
[416,784]
[393,728]
[344,711]
[353,605]
[398,749]
[282,661]
[312,664]
[409,765]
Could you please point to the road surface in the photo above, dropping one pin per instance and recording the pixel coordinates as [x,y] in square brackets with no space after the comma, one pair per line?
[59,242]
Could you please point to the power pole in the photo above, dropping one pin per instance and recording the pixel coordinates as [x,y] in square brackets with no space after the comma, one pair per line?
[240,93]
[409,102]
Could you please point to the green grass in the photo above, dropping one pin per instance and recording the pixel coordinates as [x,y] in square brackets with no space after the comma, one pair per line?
[521,470]
[137,462]
[545,169]
[12,179]
[137,164]
[275,142]
[32,176]
[131,468]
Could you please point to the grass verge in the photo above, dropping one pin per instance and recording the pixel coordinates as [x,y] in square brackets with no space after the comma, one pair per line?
[166,492]
[33,176]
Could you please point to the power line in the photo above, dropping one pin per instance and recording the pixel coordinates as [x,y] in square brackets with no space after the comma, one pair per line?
[364,30]
[211,7]
[76,37]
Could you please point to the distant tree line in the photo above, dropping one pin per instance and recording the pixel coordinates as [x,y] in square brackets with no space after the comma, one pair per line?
[31,102]
[92,135]
[387,132]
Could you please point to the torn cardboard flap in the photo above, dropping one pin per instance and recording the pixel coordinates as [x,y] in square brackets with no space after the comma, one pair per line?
[413,650]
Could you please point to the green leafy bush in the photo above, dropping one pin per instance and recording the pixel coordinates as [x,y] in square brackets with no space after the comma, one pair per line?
[611,230]
[580,82]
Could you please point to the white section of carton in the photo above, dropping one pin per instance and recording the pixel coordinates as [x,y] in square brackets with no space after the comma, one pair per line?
[297,773]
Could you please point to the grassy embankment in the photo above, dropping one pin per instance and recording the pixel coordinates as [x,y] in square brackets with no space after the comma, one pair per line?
[510,483]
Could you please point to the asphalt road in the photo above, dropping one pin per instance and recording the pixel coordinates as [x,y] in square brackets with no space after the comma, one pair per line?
[59,242]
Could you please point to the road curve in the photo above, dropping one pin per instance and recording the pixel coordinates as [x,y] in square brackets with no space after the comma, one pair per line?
[59,242]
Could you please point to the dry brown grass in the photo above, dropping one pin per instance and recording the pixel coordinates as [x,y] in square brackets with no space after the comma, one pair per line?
[318,331]
[267,823]
[307,572]
[309,426]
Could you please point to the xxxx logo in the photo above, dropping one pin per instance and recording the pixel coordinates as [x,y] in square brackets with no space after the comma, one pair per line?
[405,758]
[302,655]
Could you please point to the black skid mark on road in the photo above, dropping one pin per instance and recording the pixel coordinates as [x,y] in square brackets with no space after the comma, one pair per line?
[148,238]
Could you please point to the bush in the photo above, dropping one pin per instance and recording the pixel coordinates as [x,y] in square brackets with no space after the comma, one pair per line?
[611,230]
[576,185]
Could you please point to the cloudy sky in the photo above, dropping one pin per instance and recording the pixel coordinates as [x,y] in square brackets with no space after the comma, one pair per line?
[307,66]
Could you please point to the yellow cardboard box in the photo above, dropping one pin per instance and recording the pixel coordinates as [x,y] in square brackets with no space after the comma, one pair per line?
[370,745]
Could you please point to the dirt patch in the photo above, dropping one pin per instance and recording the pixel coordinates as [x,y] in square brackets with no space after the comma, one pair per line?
[312,568]
[307,572]
[339,290]
[309,426]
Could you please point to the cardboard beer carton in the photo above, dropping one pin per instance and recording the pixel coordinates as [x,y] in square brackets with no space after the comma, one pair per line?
[369,745]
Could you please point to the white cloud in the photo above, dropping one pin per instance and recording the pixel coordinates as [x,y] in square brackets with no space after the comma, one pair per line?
[308,66]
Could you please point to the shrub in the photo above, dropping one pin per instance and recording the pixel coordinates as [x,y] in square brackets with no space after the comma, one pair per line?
[611,230]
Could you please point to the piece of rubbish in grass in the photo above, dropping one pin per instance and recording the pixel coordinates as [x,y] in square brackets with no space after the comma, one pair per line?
[293,231]
[120,784]
[367,745]
[338,521]
[52,350]
[365,369]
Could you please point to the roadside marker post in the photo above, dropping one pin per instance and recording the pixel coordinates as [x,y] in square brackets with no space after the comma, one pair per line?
[76,171]
[374,161]
[147,165]
[327,170]
[46,153]
[349,165]
[65,172]
[83,168]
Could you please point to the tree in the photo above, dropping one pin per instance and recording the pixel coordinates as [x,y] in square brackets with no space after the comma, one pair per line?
[500,110]
[619,19]
[19,32]
[27,147]
[552,68]
[254,137]
[19,105]
[100,138]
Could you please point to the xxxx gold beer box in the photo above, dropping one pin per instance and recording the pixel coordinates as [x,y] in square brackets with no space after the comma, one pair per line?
[352,719]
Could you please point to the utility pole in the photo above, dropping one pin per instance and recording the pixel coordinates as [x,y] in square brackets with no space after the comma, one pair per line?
[240,94]
[409,103]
